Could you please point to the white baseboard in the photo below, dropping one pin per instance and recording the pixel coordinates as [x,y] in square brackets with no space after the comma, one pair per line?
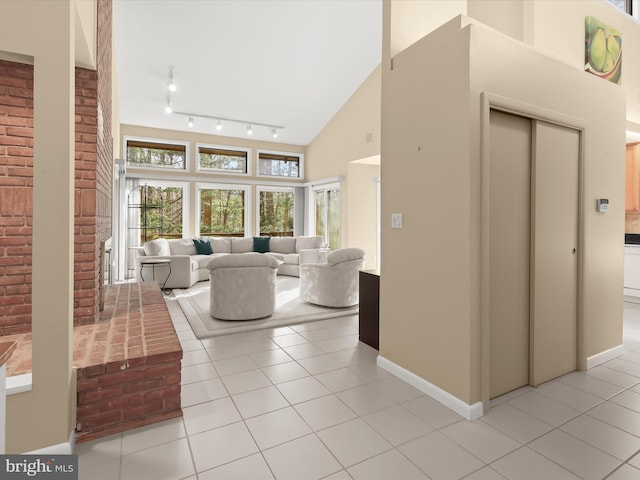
[605,356]
[19,383]
[65,448]
[470,412]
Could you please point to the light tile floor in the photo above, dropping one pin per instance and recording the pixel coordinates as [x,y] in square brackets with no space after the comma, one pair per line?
[309,402]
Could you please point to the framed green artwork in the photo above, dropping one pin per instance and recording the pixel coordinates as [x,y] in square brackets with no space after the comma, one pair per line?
[603,50]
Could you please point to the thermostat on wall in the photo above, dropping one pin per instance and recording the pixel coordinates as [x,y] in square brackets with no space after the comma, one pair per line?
[602,205]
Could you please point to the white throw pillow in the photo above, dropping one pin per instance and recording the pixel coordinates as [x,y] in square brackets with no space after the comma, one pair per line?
[282,244]
[308,242]
[221,244]
[155,248]
[182,246]
[241,244]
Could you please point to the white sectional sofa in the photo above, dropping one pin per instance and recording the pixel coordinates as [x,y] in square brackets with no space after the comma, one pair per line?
[188,266]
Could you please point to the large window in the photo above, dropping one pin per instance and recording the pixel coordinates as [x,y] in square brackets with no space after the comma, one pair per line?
[143,153]
[155,211]
[223,210]
[327,214]
[275,164]
[624,5]
[276,209]
[632,7]
[223,160]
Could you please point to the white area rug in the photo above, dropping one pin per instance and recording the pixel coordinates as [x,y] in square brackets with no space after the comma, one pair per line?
[290,310]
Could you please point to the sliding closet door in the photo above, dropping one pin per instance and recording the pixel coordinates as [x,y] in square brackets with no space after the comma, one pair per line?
[509,239]
[554,274]
[533,258]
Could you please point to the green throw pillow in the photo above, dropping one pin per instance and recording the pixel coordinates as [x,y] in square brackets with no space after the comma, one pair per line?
[261,244]
[203,247]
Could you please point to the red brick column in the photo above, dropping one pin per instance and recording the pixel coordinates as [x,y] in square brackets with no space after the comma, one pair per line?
[85,253]
[16,208]
[93,180]
[94,171]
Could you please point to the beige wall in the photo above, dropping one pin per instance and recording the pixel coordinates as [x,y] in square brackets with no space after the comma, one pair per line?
[44,31]
[362,210]
[507,16]
[86,25]
[426,271]
[352,134]
[562,89]
[410,20]
[431,301]
[115,104]
[555,28]
[559,32]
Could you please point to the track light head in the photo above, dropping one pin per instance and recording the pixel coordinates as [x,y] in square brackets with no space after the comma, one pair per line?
[190,122]
[274,133]
[171,85]
[219,126]
[168,109]
[249,130]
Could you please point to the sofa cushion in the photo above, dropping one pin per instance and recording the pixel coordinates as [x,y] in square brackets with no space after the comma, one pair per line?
[277,256]
[221,244]
[314,241]
[237,261]
[202,261]
[261,244]
[241,244]
[291,259]
[282,245]
[182,246]
[203,246]
[158,247]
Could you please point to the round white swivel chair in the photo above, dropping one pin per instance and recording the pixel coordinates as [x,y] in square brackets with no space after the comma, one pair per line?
[243,286]
[333,283]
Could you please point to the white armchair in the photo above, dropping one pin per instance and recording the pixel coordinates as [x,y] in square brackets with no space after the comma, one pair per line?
[243,286]
[334,283]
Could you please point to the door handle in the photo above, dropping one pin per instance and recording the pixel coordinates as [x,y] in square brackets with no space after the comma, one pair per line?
[573,251]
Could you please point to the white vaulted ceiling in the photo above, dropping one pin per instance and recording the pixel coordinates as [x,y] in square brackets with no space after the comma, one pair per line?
[279,62]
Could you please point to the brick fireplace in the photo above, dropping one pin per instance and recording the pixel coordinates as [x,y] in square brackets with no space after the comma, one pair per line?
[112,360]
[93,180]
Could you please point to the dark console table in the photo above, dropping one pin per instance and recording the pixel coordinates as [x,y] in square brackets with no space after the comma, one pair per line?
[369,293]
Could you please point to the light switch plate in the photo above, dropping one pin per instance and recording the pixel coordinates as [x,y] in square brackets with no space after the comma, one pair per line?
[396,220]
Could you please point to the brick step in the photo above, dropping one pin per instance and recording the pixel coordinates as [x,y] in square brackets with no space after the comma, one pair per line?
[128,363]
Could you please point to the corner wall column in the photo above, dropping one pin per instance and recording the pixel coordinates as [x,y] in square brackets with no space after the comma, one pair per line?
[45,416]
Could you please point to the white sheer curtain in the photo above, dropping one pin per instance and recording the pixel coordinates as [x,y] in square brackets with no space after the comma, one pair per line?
[133,223]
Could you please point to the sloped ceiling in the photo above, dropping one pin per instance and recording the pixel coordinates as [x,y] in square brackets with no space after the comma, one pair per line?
[290,63]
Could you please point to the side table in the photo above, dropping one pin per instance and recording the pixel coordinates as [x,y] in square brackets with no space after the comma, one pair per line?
[369,310]
[153,263]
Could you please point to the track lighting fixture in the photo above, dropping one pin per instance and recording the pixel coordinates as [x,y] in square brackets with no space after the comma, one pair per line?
[191,116]
[172,85]
[191,119]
